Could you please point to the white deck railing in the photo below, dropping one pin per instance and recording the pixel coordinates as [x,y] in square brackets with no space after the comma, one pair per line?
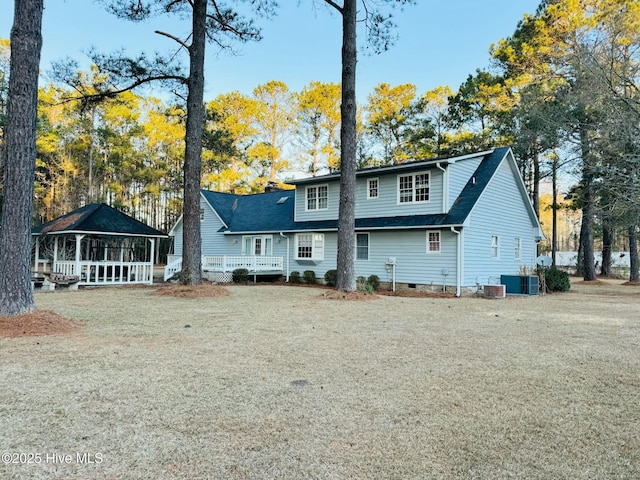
[228,263]
[107,272]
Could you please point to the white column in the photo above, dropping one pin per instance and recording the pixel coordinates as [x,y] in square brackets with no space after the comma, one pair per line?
[151,259]
[76,269]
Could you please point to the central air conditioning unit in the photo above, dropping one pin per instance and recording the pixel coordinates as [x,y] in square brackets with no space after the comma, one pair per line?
[521,284]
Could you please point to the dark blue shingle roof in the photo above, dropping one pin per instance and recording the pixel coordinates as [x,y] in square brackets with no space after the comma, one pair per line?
[262,212]
[97,217]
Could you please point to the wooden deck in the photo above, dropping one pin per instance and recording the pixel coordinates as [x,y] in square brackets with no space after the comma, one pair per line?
[255,264]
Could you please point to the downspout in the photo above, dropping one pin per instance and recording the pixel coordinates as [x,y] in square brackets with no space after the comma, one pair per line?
[445,188]
[459,262]
[287,237]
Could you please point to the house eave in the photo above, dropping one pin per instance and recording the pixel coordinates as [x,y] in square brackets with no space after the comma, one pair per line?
[92,232]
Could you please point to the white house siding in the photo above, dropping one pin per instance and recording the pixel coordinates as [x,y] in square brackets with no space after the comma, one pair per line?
[409,247]
[333,204]
[177,238]
[488,218]
[386,205]
[459,174]
[213,242]
[413,263]
[318,266]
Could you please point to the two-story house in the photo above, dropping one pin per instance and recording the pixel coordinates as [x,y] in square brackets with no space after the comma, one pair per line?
[448,223]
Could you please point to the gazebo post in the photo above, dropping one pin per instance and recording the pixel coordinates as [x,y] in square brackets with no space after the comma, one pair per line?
[76,269]
[153,246]
[36,257]
[55,253]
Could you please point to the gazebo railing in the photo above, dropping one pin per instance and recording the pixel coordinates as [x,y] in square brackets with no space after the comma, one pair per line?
[106,272]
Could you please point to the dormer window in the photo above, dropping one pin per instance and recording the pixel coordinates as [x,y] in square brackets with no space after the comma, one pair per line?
[413,188]
[372,188]
[317,197]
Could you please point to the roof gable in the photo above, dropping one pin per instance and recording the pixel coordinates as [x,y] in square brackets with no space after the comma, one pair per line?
[475,186]
[97,218]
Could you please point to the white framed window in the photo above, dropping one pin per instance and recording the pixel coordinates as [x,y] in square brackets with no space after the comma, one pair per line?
[317,197]
[257,244]
[495,246]
[433,241]
[362,246]
[517,248]
[309,246]
[413,188]
[373,189]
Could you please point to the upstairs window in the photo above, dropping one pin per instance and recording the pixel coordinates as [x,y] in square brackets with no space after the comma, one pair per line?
[413,188]
[372,188]
[317,197]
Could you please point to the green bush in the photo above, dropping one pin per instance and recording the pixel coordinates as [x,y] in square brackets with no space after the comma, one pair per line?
[374,281]
[240,275]
[557,280]
[331,278]
[294,277]
[363,286]
[310,277]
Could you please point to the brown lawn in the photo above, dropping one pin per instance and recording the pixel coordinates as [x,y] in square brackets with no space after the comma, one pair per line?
[282,382]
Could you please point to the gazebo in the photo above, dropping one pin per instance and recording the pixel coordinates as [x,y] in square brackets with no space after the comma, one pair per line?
[98,245]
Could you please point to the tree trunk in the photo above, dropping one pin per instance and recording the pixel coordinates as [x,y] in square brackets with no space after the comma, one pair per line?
[554,210]
[535,194]
[633,255]
[346,216]
[607,240]
[192,246]
[586,237]
[16,296]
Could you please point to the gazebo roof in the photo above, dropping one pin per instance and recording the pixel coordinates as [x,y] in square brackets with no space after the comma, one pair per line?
[97,218]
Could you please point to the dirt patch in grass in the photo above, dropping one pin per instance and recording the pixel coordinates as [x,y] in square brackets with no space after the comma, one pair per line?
[38,323]
[353,296]
[191,291]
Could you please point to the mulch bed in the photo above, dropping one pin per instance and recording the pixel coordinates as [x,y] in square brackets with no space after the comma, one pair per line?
[38,323]
[191,291]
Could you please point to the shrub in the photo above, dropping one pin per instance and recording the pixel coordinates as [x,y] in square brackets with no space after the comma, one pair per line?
[331,278]
[240,275]
[363,286]
[310,277]
[374,281]
[557,280]
[294,277]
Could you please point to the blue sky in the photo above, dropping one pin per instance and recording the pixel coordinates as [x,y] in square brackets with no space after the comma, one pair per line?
[440,42]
